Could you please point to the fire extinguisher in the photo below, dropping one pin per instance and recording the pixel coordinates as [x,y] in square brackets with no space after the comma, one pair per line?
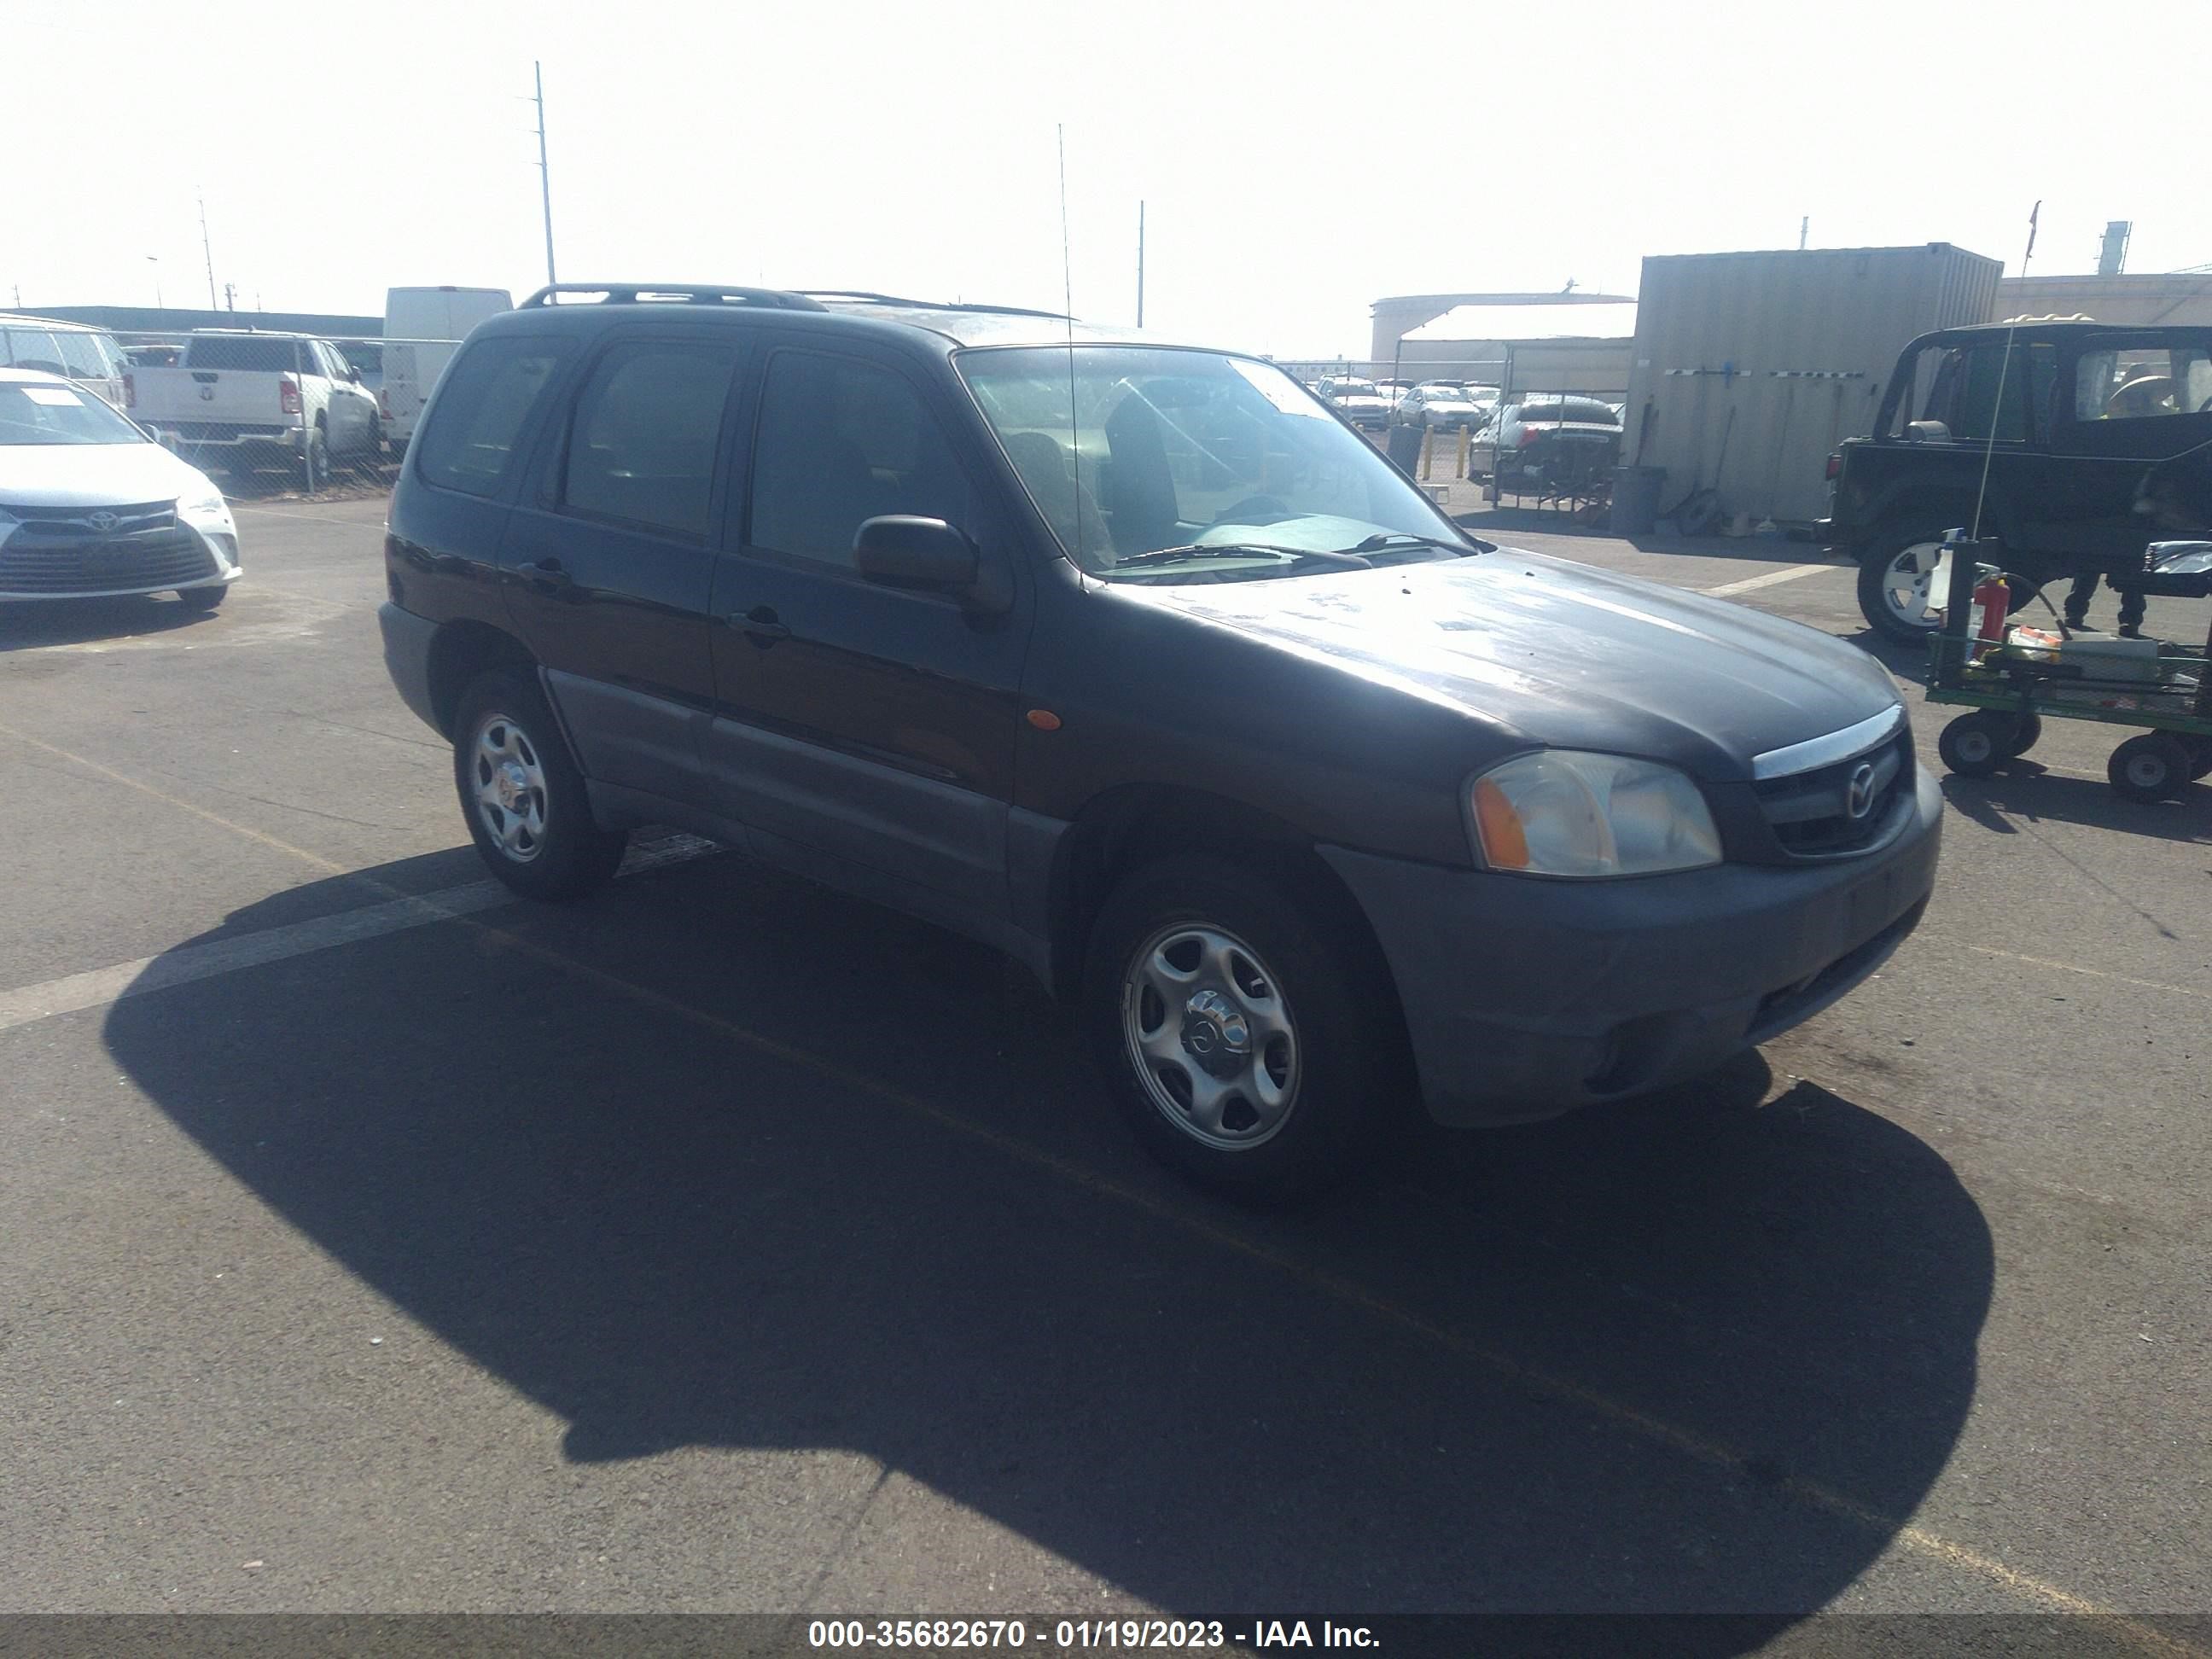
[1991,599]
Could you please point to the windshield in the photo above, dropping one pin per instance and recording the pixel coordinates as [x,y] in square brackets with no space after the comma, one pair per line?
[35,414]
[1172,449]
[1355,389]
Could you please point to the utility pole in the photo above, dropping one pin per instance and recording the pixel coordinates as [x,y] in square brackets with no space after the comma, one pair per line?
[1804,226]
[207,249]
[1140,265]
[154,260]
[544,173]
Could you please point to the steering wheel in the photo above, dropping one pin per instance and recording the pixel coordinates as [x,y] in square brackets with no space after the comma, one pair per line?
[1254,509]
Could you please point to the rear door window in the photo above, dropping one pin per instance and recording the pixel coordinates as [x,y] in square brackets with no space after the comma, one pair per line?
[484,413]
[648,427]
[1987,390]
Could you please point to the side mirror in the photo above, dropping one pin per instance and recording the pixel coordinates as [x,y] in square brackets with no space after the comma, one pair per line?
[901,550]
[353,374]
[152,432]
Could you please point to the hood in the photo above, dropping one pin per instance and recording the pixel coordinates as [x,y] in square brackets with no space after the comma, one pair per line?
[93,475]
[1561,655]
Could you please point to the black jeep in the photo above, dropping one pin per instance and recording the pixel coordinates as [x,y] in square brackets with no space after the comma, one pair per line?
[2093,441]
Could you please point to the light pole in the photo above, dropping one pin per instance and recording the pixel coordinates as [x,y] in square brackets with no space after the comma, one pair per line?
[154,260]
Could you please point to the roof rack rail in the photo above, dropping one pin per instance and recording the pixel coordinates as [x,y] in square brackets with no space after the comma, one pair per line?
[868,298]
[685,293]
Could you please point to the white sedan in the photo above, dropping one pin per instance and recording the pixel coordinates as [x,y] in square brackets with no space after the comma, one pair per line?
[91,507]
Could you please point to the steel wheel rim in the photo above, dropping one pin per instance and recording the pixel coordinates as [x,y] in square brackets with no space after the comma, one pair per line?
[508,777]
[1905,584]
[1210,1035]
[1975,746]
[2147,771]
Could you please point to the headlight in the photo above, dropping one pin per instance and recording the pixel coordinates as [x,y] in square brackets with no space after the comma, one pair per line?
[206,503]
[1563,813]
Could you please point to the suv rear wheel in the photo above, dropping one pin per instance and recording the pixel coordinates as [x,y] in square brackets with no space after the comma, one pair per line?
[1896,581]
[1225,1020]
[522,796]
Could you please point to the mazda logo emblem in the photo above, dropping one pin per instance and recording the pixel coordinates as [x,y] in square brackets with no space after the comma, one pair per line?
[1858,798]
[103,521]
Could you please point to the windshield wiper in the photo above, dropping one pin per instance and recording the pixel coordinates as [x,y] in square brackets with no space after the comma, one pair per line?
[1391,539]
[1347,558]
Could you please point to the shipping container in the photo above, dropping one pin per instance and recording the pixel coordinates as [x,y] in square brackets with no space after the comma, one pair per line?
[1749,367]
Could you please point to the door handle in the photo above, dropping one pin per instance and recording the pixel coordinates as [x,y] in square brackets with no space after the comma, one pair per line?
[761,624]
[550,572]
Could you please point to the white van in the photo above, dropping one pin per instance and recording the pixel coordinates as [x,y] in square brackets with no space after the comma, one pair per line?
[423,327]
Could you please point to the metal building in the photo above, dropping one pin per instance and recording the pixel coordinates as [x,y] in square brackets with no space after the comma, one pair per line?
[1749,367]
[1526,348]
[2140,301]
[1397,315]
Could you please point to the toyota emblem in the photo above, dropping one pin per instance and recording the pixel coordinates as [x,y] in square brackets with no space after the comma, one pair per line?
[103,521]
[1858,798]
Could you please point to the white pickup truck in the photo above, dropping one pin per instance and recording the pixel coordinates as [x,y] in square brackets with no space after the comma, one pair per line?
[239,396]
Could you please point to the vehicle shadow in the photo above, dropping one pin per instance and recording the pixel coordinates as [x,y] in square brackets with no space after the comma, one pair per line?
[2034,793]
[1598,1365]
[25,627]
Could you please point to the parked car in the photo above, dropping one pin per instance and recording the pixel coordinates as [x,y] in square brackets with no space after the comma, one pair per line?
[1359,401]
[91,507]
[1548,445]
[244,396]
[1445,406]
[77,351]
[2091,439]
[1316,806]
[422,328]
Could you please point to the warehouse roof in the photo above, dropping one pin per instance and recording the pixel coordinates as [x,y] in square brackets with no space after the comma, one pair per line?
[1517,323]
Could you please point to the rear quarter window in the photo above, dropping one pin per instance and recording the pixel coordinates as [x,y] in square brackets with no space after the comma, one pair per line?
[484,410]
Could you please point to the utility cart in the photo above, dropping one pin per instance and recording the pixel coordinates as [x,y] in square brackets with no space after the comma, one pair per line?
[2011,676]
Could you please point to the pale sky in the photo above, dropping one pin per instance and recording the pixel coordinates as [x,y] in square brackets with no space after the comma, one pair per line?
[1297,160]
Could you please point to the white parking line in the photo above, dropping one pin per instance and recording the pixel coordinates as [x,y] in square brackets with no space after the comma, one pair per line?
[1772,578]
[227,955]
[181,966]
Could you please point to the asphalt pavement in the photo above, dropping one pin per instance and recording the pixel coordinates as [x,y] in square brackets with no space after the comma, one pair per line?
[721,1244]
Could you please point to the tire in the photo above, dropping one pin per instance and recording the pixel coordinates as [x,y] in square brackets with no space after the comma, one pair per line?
[1976,745]
[1888,593]
[521,795]
[203,599]
[2153,767]
[2200,759]
[315,462]
[2026,732]
[1207,957]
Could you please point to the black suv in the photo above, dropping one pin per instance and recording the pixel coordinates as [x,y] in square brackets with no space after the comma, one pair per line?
[1138,663]
[2082,442]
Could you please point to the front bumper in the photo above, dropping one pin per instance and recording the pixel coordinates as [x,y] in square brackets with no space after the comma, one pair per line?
[35,566]
[1525,997]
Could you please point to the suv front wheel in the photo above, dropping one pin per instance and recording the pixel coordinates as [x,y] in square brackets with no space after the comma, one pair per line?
[522,796]
[1231,1034]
